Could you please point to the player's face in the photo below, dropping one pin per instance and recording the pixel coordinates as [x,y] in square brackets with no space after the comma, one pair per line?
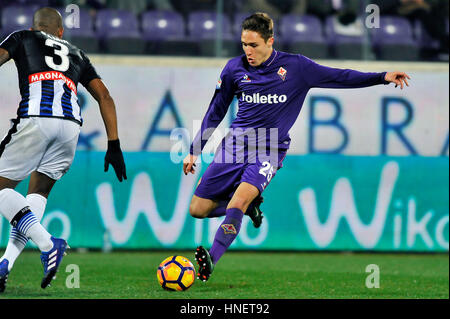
[256,49]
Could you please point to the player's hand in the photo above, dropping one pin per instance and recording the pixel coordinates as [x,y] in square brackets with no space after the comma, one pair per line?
[189,164]
[399,78]
[114,157]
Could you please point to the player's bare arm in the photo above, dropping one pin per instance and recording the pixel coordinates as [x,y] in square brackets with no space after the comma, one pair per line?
[114,155]
[101,94]
[4,56]
[397,77]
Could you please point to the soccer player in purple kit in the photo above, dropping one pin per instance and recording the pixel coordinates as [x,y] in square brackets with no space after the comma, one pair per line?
[271,86]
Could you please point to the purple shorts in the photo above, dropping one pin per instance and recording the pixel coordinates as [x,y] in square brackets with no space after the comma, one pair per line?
[220,180]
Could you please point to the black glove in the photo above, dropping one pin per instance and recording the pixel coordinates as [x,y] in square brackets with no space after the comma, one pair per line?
[114,157]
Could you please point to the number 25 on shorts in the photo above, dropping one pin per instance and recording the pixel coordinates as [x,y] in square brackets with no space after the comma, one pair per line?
[266,170]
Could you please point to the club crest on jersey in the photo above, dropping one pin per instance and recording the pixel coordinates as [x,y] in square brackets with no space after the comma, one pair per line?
[219,84]
[229,229]
[246,79]
[282,73]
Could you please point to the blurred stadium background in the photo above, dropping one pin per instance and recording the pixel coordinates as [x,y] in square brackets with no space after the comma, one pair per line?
[368,169]
[413,31]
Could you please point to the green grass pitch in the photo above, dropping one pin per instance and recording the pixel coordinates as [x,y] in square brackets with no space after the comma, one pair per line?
[246,275]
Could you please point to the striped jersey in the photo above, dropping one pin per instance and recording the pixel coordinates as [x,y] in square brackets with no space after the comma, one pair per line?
[49,70]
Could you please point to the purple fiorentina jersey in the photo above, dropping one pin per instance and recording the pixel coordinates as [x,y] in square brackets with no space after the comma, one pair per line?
[271,95]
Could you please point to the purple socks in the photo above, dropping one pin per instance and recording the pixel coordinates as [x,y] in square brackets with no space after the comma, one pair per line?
[219,211]
[226,233]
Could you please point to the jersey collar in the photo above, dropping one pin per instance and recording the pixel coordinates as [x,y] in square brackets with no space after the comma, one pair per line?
[270,60]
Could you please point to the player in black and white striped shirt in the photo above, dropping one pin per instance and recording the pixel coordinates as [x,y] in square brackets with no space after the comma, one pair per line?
[49,70]
[43,138]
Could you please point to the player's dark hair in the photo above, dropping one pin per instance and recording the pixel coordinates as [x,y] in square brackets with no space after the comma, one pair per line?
[261,23]
[48,20]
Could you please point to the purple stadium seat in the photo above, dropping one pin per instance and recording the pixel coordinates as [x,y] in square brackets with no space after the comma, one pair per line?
[164,32]
[116,23]
[303,34]
[162,25]
[85,27]
[204,24]
[16,18]
[393,30]
[394,39]
[83,35]
[305,28]
[118,31]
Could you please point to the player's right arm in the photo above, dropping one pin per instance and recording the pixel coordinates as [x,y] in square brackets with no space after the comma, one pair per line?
[4,56]
[217,110]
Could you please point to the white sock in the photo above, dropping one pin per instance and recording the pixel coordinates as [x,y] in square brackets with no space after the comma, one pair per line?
[38,234]
[37,204]
[17,240]
[12,203]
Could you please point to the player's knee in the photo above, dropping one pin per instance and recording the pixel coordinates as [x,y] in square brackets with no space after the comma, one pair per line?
[7,183]
[196,211]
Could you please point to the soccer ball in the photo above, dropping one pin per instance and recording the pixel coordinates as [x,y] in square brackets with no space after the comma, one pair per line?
[176,273]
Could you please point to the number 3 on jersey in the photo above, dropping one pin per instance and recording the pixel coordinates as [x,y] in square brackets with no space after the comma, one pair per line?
[266,170]
[62,51]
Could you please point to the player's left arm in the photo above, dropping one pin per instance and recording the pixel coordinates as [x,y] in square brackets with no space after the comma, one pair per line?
[4,56]
[397,77]
[93,83]
[321,76]
[114,155]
